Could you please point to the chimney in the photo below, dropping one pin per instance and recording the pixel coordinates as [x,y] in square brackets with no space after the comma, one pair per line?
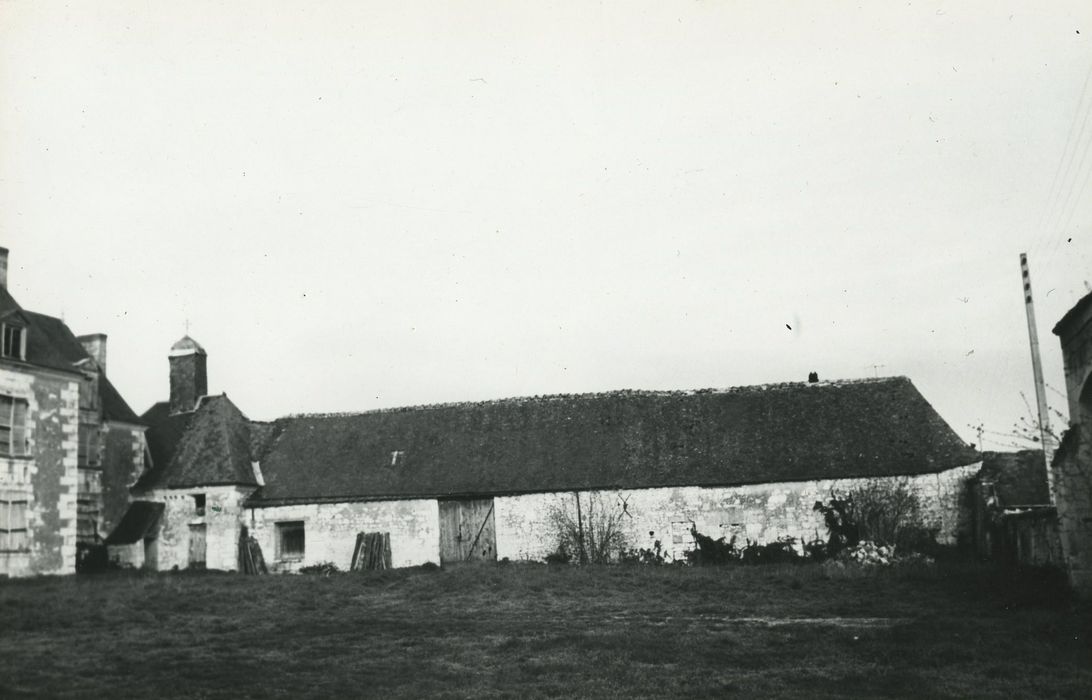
[813,377]
[189,380]
[94,344]
[4,268]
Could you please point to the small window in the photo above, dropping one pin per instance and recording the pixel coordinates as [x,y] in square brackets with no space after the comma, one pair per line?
[13,524]
[290,540]
[88,448]
[198,504]
[13,426]
[398,458]
[14,342]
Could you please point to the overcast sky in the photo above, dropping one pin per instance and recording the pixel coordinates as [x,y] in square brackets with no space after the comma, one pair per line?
[360,204]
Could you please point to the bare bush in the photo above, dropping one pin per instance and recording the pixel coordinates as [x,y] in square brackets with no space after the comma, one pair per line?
[890,513]
[587,529]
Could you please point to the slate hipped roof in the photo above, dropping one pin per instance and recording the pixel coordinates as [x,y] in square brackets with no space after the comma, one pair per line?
[208,447]
[51,344]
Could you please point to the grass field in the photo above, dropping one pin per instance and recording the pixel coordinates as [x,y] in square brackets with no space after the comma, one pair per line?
[536,631]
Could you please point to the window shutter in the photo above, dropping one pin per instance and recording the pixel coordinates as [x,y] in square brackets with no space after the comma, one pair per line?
[17,515]
[19,428]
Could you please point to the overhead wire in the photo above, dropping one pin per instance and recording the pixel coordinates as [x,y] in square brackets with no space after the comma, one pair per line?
[1043,235]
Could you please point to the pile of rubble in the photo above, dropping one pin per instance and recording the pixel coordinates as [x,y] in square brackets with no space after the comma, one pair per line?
[868,554]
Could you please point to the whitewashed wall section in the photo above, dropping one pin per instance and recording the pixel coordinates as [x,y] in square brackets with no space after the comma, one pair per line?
[330,531]
[760,513]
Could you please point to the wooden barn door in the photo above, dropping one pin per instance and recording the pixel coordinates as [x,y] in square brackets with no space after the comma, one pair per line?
[197,546]
[467,531]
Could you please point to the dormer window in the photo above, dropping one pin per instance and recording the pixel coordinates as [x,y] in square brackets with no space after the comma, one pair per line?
[14,341]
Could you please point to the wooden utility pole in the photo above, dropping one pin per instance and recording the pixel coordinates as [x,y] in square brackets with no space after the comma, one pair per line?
[1045,438]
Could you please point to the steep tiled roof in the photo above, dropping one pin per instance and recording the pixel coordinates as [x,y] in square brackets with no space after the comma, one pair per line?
[163,434]
[114,407]
[1019,477]
[788,432]
[50,343]
[209,447]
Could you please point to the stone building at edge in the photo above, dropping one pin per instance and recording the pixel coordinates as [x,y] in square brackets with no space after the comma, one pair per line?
[70,446]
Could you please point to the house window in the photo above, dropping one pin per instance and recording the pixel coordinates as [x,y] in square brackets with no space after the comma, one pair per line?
[14,342]
[88,449]
[198,504]
[13,524]
[290,540]
[13,426]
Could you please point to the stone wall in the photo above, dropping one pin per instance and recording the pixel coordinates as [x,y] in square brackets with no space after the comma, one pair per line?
[1073,498]
[760,513]
[89,528]
[181,521]
[122,464]
[48,477]
[331,528]
[1072,467]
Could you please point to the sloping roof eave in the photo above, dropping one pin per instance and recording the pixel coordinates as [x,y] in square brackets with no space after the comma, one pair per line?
[255,500]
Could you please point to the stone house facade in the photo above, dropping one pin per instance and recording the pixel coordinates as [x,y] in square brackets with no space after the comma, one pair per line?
[486,481]
[1072,463]
[70,446]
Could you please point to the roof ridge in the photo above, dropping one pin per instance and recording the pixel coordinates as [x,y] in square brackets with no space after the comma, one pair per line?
[748,388]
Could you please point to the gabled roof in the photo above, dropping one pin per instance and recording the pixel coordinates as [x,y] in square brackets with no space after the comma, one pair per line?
[1019,478]
[208,447]
[625,439]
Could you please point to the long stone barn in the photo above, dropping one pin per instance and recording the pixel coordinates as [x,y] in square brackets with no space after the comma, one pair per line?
[487,481]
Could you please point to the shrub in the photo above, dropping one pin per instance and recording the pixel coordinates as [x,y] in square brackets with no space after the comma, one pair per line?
[657,555]
[561,556]
[587,530]
[880,511]
[891,514]
[322,568]
[781,551]
[841,523]
[710,551]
